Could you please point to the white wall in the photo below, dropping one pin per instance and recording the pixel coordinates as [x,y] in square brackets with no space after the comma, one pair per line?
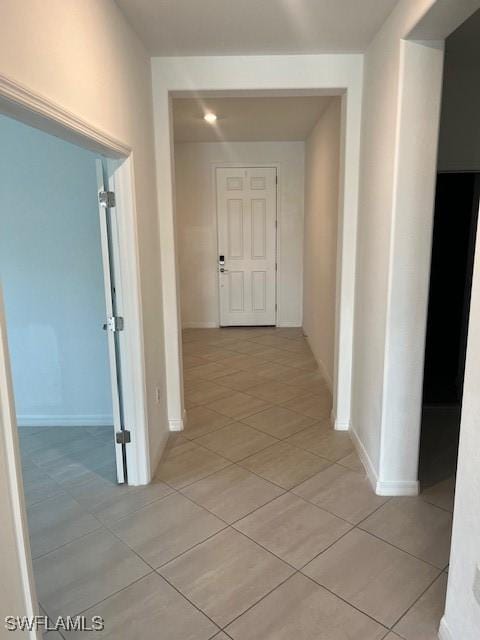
[84,57]
[462,613]
[322,182]
[409,270]
[459,149]
[52,277]
[197,225]
[380,110]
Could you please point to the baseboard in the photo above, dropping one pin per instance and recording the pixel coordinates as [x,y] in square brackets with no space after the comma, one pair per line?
[157,454]
[88,420]
[200,325]
[339,425]
[444,632]
[178,424]
[286,323]
[382,487]
[397,488]
[321,366]
[364,459]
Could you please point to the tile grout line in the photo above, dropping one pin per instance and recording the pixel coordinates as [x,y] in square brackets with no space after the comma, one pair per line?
[111,595]
[260,600]
[415,602]
[76,539]
[346,602]
[241,517]
[278,440]
[192,603]
[157,571]
[432,504]
[430,564]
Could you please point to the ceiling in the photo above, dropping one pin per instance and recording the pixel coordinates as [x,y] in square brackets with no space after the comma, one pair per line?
[247,119]
[250,27]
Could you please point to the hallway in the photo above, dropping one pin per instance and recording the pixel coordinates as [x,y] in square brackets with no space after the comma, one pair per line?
[260,522]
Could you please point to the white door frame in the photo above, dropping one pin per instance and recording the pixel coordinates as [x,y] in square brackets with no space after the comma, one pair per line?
[246,165]
[33,109]
[253,76]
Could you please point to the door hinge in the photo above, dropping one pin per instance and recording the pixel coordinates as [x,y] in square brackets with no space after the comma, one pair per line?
[123,437]
[275,306]
[276,266]
[106,199]
[114,323]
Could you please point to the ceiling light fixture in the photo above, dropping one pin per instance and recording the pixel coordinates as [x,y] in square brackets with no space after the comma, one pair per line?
[210,118]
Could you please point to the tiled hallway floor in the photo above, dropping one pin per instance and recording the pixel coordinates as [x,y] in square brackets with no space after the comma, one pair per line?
[260,525]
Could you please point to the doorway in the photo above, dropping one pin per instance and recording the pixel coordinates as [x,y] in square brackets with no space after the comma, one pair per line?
[453,250]
[53,257]
[46,117]
[247,243]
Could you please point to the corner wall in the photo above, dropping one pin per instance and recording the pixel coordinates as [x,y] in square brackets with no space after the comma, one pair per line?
[197,224]
[381,124]
[322,182]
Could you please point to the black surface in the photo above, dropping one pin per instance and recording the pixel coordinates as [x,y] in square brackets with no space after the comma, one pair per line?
[455,223]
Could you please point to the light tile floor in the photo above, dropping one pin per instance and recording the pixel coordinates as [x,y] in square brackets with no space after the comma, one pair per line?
[260,523]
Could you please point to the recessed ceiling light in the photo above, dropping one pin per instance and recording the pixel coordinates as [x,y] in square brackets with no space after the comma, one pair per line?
[210,118]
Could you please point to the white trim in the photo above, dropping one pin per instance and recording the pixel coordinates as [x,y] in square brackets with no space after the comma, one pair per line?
[290,323]
[67,420]
[325,374]
[444,632]
[31,107]
[16,518]
[200,325]
[382,487]
[364,459]
[337,424]
[397,488]
[176,425]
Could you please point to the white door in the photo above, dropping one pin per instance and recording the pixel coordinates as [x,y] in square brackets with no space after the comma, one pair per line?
[113,321]
[247,238]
